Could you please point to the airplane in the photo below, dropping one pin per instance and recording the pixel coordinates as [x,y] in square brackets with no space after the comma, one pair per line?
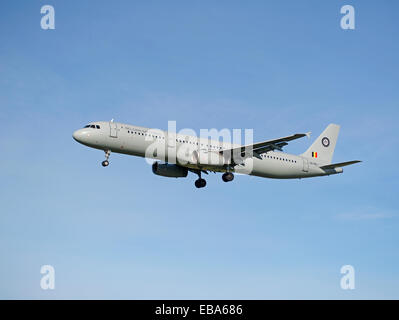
[181,153]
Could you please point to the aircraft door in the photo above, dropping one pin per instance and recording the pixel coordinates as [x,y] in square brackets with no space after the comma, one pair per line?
[305,165]
[113,129]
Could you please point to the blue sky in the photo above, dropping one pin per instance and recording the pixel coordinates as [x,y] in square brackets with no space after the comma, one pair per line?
[278,67]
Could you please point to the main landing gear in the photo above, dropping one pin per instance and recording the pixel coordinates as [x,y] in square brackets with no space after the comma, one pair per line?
[105,163]
[227,177]
[200,183]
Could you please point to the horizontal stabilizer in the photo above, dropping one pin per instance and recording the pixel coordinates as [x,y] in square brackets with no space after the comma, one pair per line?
[341,164]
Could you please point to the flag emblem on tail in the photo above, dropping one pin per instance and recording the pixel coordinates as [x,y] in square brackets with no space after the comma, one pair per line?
[314,154]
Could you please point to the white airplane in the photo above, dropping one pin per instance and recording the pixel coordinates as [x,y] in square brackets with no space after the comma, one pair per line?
[184,153]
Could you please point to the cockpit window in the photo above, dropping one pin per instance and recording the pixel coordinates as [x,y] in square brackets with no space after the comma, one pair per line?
[94,126]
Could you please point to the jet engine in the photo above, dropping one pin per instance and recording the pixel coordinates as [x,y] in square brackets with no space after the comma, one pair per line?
[169,170]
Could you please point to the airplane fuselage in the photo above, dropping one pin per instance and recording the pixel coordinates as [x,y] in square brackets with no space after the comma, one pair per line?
[137,141]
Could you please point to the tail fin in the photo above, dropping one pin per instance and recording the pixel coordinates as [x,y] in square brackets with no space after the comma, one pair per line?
[323,148]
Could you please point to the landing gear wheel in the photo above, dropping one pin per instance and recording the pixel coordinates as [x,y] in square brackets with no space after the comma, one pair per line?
[200,183]
[105,163]
[227,177]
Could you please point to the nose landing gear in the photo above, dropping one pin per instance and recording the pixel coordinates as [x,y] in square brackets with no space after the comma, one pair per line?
[105,163]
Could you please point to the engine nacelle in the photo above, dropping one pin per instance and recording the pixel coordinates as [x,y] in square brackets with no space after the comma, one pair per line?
[169,170]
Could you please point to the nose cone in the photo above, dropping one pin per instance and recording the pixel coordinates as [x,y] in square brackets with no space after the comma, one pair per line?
[78,135]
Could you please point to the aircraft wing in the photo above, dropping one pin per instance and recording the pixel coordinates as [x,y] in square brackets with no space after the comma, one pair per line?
[264,146]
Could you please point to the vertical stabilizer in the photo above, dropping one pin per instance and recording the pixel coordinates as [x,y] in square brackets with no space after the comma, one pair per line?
[322,149]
